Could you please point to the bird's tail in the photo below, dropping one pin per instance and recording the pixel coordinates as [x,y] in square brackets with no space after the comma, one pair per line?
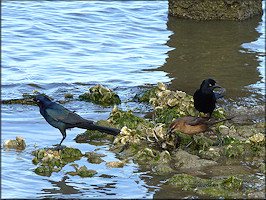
[217,121]
[104,129]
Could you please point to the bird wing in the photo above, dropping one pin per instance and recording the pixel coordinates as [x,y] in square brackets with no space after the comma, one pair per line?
[61,114]
[218,95]
[194,121]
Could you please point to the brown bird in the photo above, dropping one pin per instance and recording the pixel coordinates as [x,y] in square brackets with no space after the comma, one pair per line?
[192,125]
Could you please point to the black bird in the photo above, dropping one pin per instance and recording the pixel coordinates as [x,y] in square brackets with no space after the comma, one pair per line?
[192,125]
[205,98]
[62,118]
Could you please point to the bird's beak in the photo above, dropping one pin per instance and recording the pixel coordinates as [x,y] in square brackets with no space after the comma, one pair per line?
[220,88]
[217,86]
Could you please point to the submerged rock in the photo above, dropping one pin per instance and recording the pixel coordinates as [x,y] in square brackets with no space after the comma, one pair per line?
[100,95]
[19,143]
[82,171]
[94,157]
[26,100]
[216,187]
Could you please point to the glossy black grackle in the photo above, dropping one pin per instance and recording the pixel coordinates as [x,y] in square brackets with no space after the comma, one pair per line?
[61,118]
[205,98]
[192,125]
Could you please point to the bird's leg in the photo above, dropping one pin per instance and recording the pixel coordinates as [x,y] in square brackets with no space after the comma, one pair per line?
[63,132]
[192,140]
[220,140]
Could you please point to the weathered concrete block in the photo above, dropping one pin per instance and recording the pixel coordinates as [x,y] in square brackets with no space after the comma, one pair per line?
[215,9]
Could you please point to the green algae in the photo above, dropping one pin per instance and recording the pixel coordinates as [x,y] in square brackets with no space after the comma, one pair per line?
[100,95]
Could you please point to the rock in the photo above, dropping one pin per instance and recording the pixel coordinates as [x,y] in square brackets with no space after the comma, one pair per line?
[215,187]
[26,100]
[51,160]
[224,130]
[10,144]
[116,164]
[184,160]
[213,153]
[82,171]
[19,143]
[257,138]
[161,86]
[100,95]
[126,132]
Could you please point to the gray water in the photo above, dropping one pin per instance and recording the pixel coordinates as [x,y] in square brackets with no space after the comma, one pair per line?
[66,47]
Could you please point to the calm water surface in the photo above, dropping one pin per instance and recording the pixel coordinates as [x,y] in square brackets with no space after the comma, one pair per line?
[66,47]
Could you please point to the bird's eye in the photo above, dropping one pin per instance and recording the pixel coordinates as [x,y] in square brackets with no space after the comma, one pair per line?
[210,84]
[38,100]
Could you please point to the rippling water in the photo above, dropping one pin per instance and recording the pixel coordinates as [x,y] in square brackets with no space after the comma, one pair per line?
[58,46]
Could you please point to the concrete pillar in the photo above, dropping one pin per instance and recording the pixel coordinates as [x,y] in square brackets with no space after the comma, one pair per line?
[215,9]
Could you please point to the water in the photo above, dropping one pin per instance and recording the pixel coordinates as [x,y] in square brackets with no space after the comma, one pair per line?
[66,47]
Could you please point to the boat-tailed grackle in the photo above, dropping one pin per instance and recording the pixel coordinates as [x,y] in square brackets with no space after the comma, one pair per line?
[205,98]
[192,125]
[62,118]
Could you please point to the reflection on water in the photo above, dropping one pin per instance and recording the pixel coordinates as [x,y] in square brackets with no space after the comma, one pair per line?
[217,49]
[60,187]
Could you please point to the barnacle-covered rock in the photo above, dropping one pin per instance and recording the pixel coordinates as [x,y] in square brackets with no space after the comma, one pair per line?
[161,86]
[170,105]
[258,138]
[100,95]
[19,143]
[52,160]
